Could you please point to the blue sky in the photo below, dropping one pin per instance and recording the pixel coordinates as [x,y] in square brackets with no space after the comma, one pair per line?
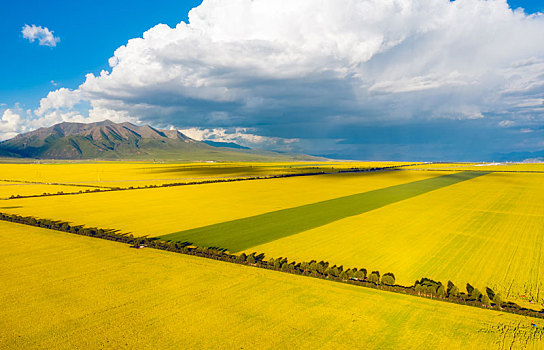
[394,92]
[89,31]
[530,6]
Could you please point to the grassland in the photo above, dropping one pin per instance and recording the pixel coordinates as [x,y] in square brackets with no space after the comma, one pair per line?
[66,291]
[158,211]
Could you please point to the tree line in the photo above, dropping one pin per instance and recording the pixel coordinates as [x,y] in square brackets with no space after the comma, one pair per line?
[175,184]
[425,287]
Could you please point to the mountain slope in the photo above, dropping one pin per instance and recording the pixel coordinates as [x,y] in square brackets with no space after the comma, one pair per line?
[224,144]
[108,140]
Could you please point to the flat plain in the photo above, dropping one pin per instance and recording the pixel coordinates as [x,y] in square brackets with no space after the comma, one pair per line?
[240,234]
[495,167]
[133,174]
[488,231]
[161,211]
[481,227]
[66,291]
[9,188]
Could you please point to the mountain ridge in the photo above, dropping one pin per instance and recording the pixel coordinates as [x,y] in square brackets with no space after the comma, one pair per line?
[109,140]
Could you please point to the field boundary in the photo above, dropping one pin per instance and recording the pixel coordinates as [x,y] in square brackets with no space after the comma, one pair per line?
[477,170]
[96,188]
[245,233]
[425,287]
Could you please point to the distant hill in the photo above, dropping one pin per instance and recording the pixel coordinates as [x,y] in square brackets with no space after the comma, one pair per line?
[224,144]
[109,140]
[537,156]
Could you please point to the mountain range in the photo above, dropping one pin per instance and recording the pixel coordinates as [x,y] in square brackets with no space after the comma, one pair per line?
[109,140]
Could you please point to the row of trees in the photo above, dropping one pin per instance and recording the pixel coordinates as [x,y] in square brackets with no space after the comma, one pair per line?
[174,184]
[359,170]
[59,193]
[424,287]
[434,289]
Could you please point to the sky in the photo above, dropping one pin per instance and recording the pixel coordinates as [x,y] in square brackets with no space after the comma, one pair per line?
[349,79]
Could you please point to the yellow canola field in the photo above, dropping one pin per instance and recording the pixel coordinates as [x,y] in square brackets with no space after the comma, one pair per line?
[531,167]
[126,174]
[62,291]
[8,189]
[120,174]
[504,167]
[488,231]
[441,166]
[161,211]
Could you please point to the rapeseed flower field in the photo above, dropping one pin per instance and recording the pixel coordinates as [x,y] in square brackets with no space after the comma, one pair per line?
[65,291]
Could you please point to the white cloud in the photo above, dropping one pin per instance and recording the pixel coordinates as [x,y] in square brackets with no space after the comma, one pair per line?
[10,124]
[506,123]
[245,58]
[44,36]
[241,136]
[15,120]
[308,66]
[59,99]
[98,113]
[533,102]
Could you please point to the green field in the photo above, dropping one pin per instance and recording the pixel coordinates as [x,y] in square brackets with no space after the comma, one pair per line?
[66,291]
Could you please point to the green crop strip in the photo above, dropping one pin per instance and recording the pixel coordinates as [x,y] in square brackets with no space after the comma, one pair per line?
[241,234]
